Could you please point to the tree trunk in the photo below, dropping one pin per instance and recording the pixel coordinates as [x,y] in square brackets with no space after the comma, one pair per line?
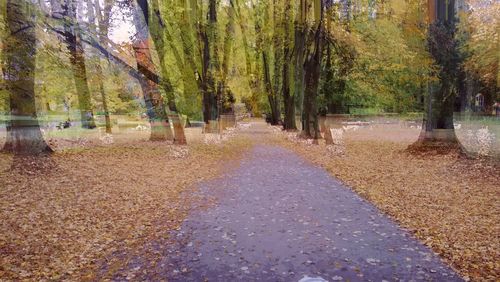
[158,31]
[103,22]
[289,101]
[312,74]
[224,91]
[77,59]
[211,62]
[300,44]
[438,122]
[312,69]
[327,87]
[155,107]
[278,61]
[288,98]
[466,90]
[23,134]
[273,101]
[271,87]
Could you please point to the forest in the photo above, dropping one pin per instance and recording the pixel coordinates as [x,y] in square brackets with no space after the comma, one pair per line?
[135,134]
[291,62]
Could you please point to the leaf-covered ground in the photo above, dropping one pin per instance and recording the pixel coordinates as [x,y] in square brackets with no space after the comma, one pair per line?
[60,215]
[451,203]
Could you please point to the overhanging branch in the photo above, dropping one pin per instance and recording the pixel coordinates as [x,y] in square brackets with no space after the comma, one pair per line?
[145,73]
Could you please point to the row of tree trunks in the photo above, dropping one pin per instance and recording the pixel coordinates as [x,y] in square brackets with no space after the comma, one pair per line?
[24,135]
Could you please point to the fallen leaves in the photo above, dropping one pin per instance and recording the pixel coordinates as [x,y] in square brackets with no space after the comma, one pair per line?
[449,202]
[59,221]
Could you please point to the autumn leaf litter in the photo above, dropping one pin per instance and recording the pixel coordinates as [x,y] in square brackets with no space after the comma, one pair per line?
[449,202]
[61,220]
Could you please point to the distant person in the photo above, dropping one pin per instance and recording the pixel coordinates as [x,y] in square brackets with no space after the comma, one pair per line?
[496,109]
[63,125]
[67,123]
[479,103]
[90,119]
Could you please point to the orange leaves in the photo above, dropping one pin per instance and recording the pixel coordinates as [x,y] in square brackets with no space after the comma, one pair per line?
[449,202]
[101,199]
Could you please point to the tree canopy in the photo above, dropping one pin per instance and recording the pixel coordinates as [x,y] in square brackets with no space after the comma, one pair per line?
[289,60]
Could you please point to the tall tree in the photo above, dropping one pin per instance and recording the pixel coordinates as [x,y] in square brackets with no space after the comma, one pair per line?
[312,71]
[210,58]
[288,97]
[155,106]
[438,121]
[277,51]
[23,134]
[158,31]
[299,53]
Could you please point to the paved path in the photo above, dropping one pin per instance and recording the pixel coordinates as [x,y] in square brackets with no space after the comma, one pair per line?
[279,218]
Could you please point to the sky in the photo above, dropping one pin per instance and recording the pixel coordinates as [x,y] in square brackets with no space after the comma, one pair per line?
[122,27]
[121,32]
